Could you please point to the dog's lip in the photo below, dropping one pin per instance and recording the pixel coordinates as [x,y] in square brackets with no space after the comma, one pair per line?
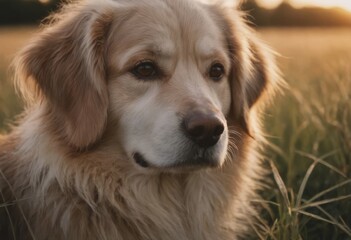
[140,160]
[193,163]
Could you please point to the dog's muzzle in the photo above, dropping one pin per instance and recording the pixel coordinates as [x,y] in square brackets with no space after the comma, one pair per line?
[202,131]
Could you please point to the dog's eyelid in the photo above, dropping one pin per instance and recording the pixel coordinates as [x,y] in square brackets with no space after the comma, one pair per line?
[143,61]
[146,69]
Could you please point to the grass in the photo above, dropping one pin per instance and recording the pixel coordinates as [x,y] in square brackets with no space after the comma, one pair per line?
[310,132]
[11,40]
[309,128]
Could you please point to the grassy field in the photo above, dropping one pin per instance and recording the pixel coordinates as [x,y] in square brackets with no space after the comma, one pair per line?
[310,131]
[309,128]
[11,40]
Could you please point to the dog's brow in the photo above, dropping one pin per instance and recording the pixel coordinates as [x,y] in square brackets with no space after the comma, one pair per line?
[207,48]
[215,54]
[162,50]
[153,50]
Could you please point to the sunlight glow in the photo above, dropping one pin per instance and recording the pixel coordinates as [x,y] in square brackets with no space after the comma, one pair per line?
[346,4]
[269,3]
[44,1]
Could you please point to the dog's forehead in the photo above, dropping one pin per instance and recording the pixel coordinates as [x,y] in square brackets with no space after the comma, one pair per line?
[166,26]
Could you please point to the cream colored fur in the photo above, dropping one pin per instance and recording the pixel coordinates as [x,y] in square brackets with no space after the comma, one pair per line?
[68,165]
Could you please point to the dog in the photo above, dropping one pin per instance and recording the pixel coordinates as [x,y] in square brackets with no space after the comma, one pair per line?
[142,122]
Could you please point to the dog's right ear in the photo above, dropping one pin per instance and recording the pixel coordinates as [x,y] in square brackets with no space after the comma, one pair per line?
[66,66]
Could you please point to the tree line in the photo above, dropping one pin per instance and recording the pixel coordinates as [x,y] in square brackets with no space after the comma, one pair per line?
[286,15]
[14,12]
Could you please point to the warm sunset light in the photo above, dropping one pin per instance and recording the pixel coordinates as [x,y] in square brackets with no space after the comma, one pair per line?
[44,1]
[346,4]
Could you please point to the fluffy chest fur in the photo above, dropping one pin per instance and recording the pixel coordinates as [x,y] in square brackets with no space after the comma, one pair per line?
[94,198]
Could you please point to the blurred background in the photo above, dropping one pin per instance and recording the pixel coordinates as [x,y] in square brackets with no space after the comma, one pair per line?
[309,126]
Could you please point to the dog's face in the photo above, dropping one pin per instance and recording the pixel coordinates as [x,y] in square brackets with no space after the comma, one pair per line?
[169,87]
[169,75]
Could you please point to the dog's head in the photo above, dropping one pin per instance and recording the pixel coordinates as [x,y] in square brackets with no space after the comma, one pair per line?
[171,77]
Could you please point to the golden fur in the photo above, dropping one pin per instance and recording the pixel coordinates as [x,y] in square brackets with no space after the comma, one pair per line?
[68,165]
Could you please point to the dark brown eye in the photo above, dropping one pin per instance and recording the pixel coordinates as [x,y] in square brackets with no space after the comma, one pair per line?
[216,71]
[145,70]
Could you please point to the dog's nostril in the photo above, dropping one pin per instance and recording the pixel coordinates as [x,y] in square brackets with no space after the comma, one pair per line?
[218,130]
[196,131]
[203,129]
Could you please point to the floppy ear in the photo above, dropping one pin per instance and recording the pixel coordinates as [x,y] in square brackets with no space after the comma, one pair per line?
[66,63]
[253,67]
[257,75]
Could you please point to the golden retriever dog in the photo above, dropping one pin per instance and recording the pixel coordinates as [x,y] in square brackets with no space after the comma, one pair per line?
[142,122]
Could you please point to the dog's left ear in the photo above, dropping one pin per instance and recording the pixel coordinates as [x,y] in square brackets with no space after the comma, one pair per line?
[255,73]
[66,65]
[253,70]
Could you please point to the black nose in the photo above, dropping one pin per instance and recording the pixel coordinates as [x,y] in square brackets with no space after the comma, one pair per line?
[203,129]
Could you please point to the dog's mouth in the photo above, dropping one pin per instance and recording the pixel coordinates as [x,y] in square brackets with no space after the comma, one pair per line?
[193,163]
[140,160]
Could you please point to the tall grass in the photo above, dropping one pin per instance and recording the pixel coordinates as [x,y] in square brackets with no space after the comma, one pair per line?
[11,39]
[310,132]
[309,128]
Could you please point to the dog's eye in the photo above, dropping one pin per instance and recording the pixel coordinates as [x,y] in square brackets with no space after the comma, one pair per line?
[145,70]
[216,71]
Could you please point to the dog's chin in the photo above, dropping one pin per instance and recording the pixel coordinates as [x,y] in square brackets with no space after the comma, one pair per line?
[182,165]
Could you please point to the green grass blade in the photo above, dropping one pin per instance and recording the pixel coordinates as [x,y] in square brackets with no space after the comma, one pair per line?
[304,183]
[328,190]
[19,207]
[281,186]
[321,161]
[8,215]
[323,202]
[342,226]
[332,221]
[316,217]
